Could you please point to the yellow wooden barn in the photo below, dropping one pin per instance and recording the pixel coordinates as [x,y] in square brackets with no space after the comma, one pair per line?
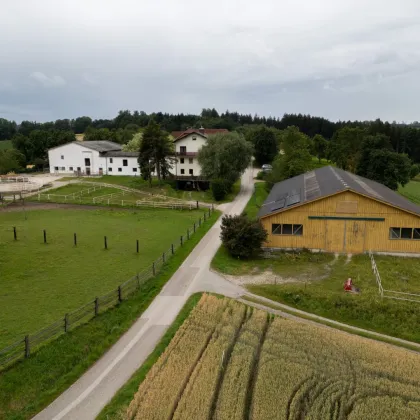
[332,210]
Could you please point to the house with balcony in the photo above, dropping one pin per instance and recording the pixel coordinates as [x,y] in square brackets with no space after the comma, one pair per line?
[187,144]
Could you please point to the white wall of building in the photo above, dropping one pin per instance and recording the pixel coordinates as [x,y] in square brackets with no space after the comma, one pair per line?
[186,164]
[71,157]
[120,166]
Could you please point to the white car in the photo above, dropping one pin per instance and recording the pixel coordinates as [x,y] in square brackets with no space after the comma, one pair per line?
[266,168]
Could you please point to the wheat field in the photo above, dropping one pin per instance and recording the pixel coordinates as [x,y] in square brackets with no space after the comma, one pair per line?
[230,361]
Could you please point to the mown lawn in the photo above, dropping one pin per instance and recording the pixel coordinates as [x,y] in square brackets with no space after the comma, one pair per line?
[256,201]
[411,191]
[40,283]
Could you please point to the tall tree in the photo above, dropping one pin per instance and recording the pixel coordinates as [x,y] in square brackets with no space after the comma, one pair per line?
[156,152]
[225,156]
[265,144]
[320,147]
[296,158]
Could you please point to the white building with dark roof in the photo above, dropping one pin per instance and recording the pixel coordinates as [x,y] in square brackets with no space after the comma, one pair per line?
[92,158]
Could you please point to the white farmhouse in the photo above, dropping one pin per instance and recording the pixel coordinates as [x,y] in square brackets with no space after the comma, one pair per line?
[187,145]
[92,158]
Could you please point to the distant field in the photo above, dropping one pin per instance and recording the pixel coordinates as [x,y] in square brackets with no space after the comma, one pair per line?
[40,283]
[229,361]
[163,189]
[6,144]
[411,191]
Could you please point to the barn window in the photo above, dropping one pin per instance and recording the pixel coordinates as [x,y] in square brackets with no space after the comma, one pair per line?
[191,160]
[62,156]
[194,138]
[287,229]
[134,169]
[63,168]
[119,169]
[111,160]
[181,160]
[404,233]
[109,169]
[55,168]
[191,171]
[182,171]
[87,162]
[125,162]
[70,168]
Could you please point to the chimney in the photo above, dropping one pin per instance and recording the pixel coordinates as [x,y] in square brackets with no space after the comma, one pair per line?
[201,130]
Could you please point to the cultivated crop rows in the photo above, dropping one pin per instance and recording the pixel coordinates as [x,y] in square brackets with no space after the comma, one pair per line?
[228,361]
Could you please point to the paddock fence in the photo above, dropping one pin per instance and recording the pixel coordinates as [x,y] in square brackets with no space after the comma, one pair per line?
[391,294]
[24,347]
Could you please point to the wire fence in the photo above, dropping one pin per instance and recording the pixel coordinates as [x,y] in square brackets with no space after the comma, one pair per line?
[391,294]
[24,347]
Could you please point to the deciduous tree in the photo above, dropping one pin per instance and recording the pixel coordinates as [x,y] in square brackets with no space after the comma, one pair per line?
[265,144]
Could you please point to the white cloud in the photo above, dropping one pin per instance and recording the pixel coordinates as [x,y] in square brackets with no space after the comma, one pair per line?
[46,81]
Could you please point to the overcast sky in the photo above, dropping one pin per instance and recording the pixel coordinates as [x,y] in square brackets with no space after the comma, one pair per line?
[341,59]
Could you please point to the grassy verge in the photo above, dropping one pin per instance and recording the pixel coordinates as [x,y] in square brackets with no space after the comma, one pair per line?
[411,191]
[328,323]
[257,199]
[30,385]
[117,407]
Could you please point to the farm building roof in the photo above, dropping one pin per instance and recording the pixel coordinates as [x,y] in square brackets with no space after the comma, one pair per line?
[326,181]
[120,153]
[100,145]
[200,131]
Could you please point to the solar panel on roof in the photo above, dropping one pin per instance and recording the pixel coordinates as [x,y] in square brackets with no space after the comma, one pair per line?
[293,199]
[278,205]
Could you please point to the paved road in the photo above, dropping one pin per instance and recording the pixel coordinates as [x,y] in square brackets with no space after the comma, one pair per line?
[87,396]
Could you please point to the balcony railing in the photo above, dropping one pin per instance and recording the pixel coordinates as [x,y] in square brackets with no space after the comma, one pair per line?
[191,154]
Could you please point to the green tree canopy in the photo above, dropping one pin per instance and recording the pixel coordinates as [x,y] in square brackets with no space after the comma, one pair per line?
[225,156]
[156,152]
[265,144]
[296,158]
[320,147]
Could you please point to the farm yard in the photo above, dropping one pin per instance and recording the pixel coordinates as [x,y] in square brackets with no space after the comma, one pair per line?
[41,282]
[228,361]
[314,283]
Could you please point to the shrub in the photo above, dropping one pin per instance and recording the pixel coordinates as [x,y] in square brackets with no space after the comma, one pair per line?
[261,175]
[242,237]
[219,189]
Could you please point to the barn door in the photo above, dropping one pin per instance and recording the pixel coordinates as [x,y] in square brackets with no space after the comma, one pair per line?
[355,236]
[334,238]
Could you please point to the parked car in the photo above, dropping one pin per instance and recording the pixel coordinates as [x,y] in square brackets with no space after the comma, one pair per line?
[267,168]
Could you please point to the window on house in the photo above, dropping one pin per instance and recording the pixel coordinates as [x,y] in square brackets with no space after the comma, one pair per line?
[191,171]
[183,150]
[87,162]
[134,169]
[404,233]
[70,168]
[181,160]
[55,168]
[111,160]
[286,229]
[109,169]
[63,168]
[182,171]
[119,169]
[194,138]
[125,162]
[79,168]
[191,160]
[62,156]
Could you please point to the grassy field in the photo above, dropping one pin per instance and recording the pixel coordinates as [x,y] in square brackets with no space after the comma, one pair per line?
[35,277]
[411,191]
[163,189]
[30,385]
[257,199]
[272,368]
[6,144]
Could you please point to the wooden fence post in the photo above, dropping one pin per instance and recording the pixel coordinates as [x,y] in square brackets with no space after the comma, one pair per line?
[194,227]
[96,306]
[197,203]
[138,280]
[27,347]
[181,240]
[105,242]
[209,212]
[163,257]
[137,246]
[188,234]
[154,269]
[204,216]
[45,236]
[119,294]
[172,249]
[66,323]
[199,222]
[75,239]
[14,233]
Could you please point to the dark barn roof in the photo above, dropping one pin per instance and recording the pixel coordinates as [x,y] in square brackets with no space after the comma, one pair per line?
[326,181]
[100,145]
[120,153]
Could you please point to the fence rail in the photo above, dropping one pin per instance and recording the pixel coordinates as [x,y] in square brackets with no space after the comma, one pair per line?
[386,293]
[24,347]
